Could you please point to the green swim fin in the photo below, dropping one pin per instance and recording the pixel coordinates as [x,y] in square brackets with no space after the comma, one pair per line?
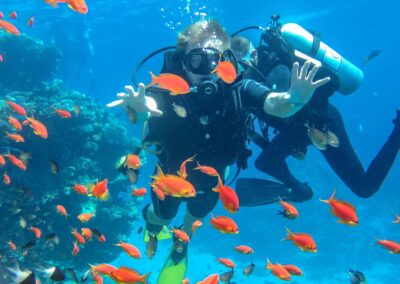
[163,235]
[172,273]
[256,192]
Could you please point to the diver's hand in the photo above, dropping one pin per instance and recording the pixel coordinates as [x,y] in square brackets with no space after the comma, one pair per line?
[302,86]
[137,101]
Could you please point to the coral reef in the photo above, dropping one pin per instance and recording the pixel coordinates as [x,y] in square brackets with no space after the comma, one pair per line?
[84,147]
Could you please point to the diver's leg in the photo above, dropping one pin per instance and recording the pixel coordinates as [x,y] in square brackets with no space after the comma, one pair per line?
[272,161]
[346,164]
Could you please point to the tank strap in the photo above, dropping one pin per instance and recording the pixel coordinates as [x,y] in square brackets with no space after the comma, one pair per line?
[316,43]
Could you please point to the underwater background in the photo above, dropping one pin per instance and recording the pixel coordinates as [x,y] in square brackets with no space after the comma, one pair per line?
[67,58]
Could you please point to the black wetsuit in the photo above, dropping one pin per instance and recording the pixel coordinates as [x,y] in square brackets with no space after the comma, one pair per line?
[213,130]
[292,137]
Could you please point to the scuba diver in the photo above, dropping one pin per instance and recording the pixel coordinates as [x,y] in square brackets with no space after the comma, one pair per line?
[318,122]
[212,127]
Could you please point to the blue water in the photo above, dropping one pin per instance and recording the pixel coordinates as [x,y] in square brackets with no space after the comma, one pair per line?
[101,49]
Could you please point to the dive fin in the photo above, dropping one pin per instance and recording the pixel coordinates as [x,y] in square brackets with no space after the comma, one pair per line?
[172,273]
[163,235]
[255,192]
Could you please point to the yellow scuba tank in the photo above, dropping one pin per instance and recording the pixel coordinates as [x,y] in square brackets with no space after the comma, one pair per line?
[350,76]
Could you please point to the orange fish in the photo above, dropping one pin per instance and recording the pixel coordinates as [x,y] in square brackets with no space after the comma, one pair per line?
[61,209]
[1,15]
[54,2]
[38,127]
[397,221]
[289,210]
[75,249]
[15,123]
[128,275]
[31,21]
[8,27]
[17,108]
[244,249]
[181,235]
[302,240]
[63,113]
[226,71]
[345,211]
[81,189]
[131,250]
[207,170]
[224,224]
[159,193]
[139,192]
[36,231]
[103,269]
[293,269]
[12,245]
[196,225]
[182,170]
[173,185]
[15,137]
[391,246]
[101,238]
[185,281]
[16,162]
[6,179]
[85,217]
[78,6]
[228,196]
[132,161]
[78,237]
[13,15]
[279,271]
[2,161]
[97,278]
[171,82]
[87,233]
[212,279]
[100,190]
[227,262]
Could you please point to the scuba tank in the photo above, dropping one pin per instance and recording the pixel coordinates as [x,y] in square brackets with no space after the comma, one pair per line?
[350,76]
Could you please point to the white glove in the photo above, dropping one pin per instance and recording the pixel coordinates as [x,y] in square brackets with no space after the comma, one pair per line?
[302,86]
[137,101]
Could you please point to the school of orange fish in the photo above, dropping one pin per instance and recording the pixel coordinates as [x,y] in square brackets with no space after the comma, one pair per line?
[166,184]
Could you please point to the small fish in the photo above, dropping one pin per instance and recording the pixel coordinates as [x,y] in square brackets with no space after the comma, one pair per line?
[81,189]
[244,249]
[100,190]
[293,269]
[128,275]
[227,262]
[345,211]
[15,137]
[132,161]
[397,220]
[196,225]
[1,15]
[332,139]
[6,179]
[224,224]
[15,123]
[12,245]
[38,127]
[226,276]
[78,6]
[226,71]
[63,113]
[87,233]
[22,223]
[2,161]
[211,279]
[357,277]
[182,169]
[289,210]
[317,137]
[181,235]
[36,231]
[179,110]
[75,249]
[228,196]
[302,240]
[85,276]
[16,162]
[248,269]
[207,170]
[85,217]
[139,192]
[171,82]
[18,109]
[13,15]
[54,168]
[31,21]
[8,27]
[62,211]
[130,249]
[278,270]
[54,273]
[78,237]
[373,54]
[103,269]
[391,246]
[29,245]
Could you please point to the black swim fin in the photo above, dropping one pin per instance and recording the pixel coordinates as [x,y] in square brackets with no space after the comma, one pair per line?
[255,192]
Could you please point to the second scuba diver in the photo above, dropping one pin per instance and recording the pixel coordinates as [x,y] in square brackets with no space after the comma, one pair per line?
[318,123]
[212,127]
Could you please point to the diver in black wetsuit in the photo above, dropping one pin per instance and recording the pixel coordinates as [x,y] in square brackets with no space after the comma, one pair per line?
[292,138]
[213,126]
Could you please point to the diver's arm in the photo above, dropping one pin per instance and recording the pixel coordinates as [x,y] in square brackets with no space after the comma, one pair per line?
[301,90]
[137,101]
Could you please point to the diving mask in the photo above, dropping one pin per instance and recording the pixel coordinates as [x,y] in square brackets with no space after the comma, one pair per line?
[202,60]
